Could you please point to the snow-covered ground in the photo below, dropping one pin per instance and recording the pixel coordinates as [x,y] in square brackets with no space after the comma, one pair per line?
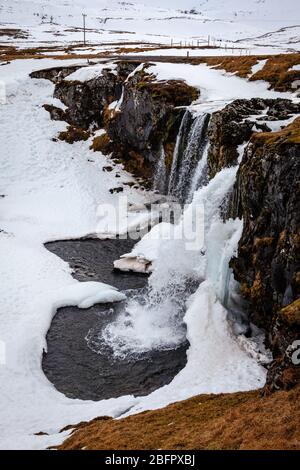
[52,190]
[251,24]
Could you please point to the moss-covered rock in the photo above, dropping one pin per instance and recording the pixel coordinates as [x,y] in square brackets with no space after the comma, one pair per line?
[266,196]
[102,144]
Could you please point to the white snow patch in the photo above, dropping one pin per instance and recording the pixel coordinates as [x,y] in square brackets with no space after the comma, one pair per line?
[88,73]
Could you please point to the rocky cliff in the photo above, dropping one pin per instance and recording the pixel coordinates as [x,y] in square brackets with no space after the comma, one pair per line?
[266,195]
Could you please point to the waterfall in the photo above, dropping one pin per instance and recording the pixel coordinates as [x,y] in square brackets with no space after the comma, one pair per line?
[181,143]
[191,147]
[160,176]
[191,294]
[200,175]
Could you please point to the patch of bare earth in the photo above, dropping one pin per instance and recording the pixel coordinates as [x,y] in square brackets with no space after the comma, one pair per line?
[245,420]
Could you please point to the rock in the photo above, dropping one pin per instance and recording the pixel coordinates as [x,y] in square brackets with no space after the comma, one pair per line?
[233,126]
[266,196]
[86,100]
[56,114]
[55,74]
[116,190]
[147,118]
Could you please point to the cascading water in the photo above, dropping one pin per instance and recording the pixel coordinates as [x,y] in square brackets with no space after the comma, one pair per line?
[181,144]
[160,176]
[191,280]
[188,165]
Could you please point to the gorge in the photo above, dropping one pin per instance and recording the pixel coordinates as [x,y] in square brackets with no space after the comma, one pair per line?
[207,158]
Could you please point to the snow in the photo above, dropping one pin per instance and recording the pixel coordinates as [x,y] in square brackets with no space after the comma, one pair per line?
[215,85]
[215,361]
[88,73]
[296,67]
[258,66]
[52,191]
[87,294]
[146,250]
[250,23]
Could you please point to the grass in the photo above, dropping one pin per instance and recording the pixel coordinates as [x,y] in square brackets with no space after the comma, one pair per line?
[245,420]
[101,144]
[290,135]
[73,134]
[277,70]
[291,313]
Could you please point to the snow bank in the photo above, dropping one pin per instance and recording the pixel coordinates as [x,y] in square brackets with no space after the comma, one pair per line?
[87,294]
[215,85]
[88,73]
[146,251]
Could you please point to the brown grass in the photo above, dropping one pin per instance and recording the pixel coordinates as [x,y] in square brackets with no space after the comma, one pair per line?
[291,313]
[287,136]
[243,420]
[277,72]
[241,66]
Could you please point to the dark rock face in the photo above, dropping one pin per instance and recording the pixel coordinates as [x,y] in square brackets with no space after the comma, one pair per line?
[55,74]
[266,195]
[147,119]
[233,126]
[86,100]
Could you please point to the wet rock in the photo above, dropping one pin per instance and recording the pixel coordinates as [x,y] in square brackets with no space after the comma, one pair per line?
[266,196]
[147,118]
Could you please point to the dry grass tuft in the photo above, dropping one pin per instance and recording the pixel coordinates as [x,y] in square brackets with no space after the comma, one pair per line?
[277,71]
[73,134]
[244,420]
[289,135]
[101,144]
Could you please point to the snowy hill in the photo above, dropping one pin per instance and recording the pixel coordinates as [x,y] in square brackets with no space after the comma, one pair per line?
[260,22]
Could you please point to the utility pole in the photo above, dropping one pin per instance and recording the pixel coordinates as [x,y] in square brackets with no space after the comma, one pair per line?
[84,17]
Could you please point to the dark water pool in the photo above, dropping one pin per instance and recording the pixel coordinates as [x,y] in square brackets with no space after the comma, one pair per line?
[70,364]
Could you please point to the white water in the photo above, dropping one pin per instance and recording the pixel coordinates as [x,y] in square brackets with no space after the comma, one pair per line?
[184,266]
[199,173]
[186,159]
[174,169]
[52,192]
[160,175]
